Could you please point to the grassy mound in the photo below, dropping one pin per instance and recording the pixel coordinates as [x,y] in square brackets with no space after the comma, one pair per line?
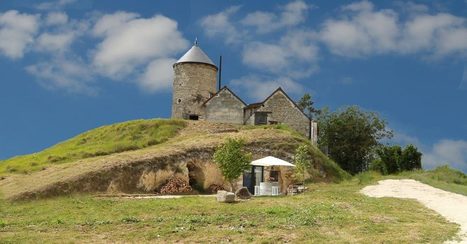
[101,141]
[79,170]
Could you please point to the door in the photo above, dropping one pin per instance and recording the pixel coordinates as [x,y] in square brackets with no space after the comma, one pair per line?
[248,180]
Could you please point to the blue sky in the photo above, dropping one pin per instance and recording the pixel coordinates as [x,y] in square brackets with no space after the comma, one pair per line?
[68,66]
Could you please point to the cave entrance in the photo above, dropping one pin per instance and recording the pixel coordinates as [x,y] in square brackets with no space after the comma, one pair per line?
[195,177]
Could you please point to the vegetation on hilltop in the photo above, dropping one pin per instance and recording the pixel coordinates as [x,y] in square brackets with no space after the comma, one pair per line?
[101,141]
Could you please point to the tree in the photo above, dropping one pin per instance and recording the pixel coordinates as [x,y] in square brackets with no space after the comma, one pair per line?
[351,136]
[232,160]
[411,158]
[392,159]
[306,105]
[302,162]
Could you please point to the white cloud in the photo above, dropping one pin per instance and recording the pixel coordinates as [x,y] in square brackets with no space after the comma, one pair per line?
[292,14]
[290,56]
[50,42]
[56,18]
[259,87]
[54,4]
[130,42]
[360,30]
[411,7]
[112,22]
[17,32]
[60,73]
[263,55]
[295,54]
[364,6]
[452,152]
[158,75]
[220,25]
[427,32]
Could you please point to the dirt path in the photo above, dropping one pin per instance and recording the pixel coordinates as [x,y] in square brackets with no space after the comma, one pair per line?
[450,205]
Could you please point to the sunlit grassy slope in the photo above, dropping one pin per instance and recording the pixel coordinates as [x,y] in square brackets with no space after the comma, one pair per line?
[104,140]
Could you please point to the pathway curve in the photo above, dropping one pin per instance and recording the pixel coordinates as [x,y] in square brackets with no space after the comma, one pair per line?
[450,205]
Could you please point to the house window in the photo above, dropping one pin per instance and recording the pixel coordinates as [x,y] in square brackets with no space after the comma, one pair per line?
[261,118]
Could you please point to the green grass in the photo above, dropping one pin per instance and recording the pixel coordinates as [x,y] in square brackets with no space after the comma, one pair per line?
[328,213]
[324,169]
[442,177]
[104,140]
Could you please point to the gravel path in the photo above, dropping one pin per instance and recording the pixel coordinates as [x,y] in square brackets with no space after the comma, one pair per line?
[450,205]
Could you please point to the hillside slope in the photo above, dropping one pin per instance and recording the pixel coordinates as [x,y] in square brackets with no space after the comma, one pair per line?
[144,170]
[101,141]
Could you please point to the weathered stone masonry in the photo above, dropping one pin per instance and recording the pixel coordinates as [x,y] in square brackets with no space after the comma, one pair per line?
[195,97]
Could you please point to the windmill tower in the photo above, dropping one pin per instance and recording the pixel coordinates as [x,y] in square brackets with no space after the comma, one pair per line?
[194,83]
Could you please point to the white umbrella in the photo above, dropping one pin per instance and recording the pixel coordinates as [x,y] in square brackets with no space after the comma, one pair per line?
[271,161]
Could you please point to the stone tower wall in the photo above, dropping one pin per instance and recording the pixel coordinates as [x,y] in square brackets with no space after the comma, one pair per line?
[194,83]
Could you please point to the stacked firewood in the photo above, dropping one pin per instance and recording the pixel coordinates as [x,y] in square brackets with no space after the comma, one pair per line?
[176,185]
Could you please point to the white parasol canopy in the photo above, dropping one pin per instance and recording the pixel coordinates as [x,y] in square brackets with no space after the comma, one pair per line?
[271,161]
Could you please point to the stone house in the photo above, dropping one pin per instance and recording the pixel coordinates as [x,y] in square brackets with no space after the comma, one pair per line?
[196,97]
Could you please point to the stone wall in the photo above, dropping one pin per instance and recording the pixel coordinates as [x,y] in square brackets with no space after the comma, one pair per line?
[194,83]
[225,108]
[284,111]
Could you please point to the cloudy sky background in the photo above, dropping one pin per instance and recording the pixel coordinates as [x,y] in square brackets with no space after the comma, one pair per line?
[68,66]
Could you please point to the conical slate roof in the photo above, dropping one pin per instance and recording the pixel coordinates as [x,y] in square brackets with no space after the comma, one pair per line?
[195,55]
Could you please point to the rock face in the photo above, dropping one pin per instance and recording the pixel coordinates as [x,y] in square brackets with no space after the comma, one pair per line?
[224,196]
[243,193]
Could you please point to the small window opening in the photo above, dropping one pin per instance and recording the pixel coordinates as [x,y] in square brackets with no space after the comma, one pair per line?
[179,100]
[193,117]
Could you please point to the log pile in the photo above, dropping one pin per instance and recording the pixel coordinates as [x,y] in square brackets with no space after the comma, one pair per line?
[175,185]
